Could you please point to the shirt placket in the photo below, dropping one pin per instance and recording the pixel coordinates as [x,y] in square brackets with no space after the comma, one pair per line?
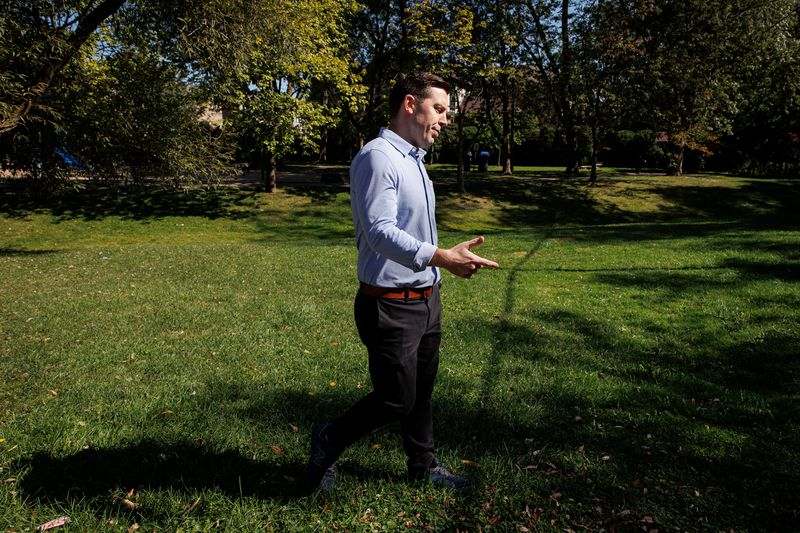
[428,195]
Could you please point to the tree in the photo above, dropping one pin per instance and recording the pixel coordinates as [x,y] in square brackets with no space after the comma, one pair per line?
[502,69]
[602,58]
[37,40]
[766,129]
[377,37]
[549,48]
[140,64]
[302,48]
[678,62]
[442,40]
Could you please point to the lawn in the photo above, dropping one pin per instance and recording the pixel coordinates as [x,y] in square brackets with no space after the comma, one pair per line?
[633,365]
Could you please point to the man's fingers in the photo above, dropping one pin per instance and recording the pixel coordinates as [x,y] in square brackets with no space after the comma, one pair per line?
[489,263]
[483,262]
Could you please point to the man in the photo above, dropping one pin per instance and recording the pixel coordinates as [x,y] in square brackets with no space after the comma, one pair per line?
[397,307]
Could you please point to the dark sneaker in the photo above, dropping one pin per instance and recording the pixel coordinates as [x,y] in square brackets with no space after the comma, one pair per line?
[321,471]
[328,480]
[440,476]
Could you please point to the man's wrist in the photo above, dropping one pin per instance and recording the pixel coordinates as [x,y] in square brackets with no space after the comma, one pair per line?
[440,258]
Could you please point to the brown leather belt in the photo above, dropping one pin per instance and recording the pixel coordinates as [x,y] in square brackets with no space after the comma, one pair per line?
[396,293]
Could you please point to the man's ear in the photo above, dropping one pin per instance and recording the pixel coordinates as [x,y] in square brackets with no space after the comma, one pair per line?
[409,102]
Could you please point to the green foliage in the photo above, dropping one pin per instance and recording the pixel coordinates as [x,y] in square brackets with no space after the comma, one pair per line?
[131,117]
[117,96]
[712,78]
[300,54]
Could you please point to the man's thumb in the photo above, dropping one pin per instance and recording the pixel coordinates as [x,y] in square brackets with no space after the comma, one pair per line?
[477,241]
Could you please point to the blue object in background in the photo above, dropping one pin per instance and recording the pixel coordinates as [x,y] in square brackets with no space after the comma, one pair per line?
[69,159]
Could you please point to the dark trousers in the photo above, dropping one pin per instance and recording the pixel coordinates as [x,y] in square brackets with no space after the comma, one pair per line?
[402,340]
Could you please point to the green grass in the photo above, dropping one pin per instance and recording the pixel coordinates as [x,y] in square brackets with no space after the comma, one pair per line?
[633,364]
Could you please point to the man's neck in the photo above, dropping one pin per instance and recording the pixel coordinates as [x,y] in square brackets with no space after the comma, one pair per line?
[403,133]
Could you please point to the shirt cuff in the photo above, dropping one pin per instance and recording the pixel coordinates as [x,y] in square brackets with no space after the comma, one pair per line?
[423,257]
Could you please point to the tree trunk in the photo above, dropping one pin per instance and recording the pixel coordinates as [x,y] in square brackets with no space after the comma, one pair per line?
[322,157]
[323,147]
[679,160]
[595,122]
[565,90]
[505,147]
[461,152]
[269,180]
[593,175]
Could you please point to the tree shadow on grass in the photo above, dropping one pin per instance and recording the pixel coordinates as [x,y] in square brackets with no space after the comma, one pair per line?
[652,422]
[19,252]
[542,198]
[309,225]
[131,203]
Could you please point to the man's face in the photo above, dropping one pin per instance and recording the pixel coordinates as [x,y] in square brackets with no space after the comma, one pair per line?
[430,116]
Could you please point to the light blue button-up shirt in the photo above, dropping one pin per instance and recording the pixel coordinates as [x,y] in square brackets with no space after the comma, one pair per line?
[393,207]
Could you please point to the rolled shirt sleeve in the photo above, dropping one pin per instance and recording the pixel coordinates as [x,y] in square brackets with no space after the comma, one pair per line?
[374,188]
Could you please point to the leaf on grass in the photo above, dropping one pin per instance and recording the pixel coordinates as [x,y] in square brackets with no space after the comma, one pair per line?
[52,524]
[134,527]
[53,392]
[467,462]
[192,506]
[129,505]
[277,450]
[376,446]
[332,384]
[294,428]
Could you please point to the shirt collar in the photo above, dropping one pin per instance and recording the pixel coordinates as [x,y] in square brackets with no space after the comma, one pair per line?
[402,145]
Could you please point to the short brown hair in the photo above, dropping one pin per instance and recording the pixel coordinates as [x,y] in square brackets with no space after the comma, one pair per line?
[416,84]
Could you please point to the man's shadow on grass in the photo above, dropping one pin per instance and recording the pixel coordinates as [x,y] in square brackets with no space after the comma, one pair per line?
[104,475]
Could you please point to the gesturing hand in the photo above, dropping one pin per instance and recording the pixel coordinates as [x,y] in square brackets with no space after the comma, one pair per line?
[460,260]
